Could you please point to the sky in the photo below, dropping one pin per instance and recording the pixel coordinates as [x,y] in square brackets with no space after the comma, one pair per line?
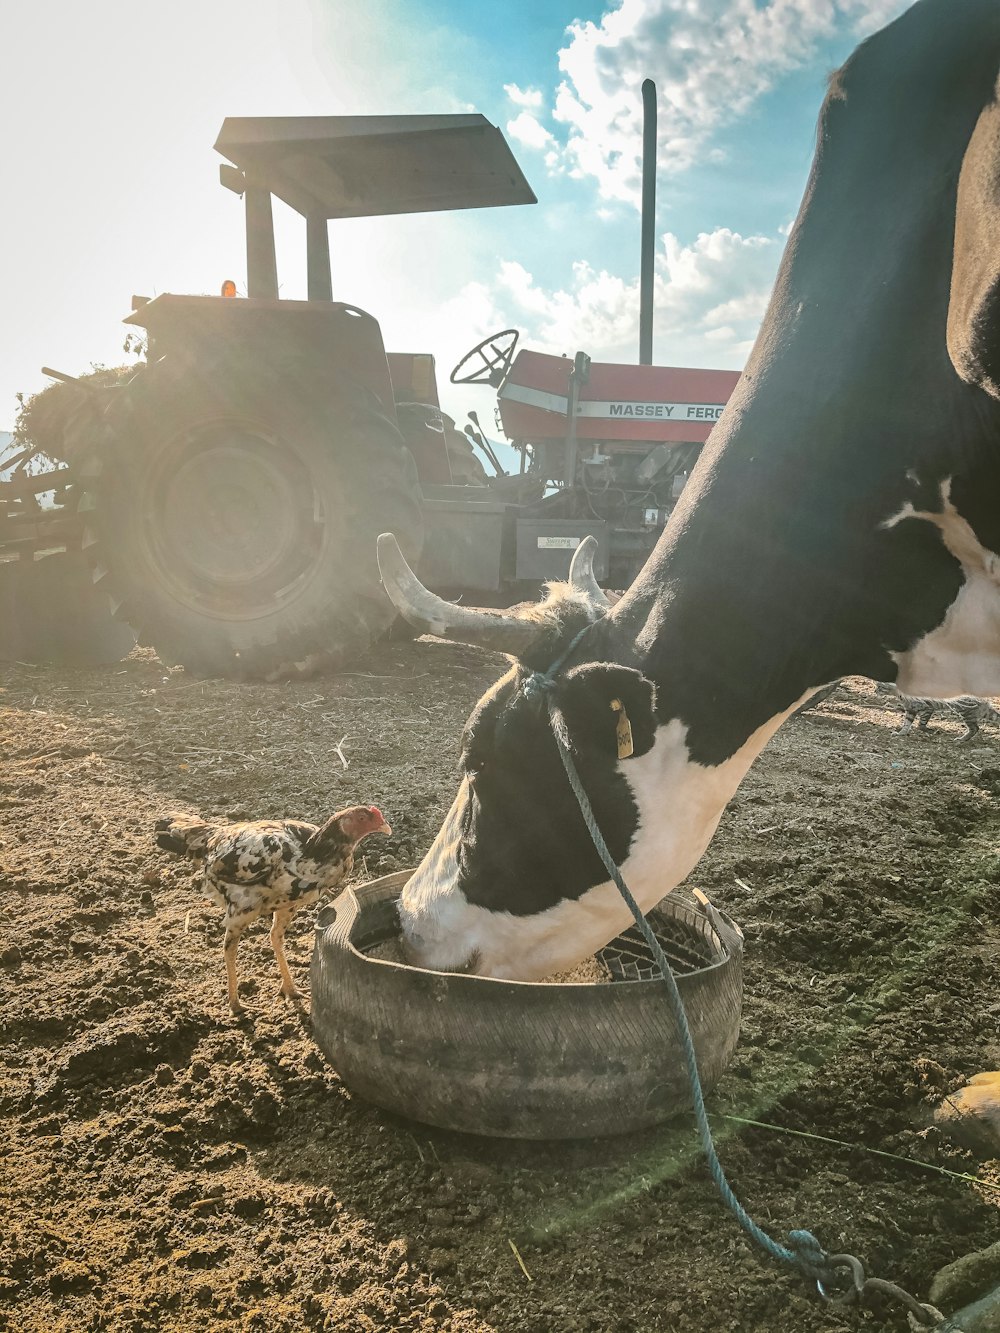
[110,182]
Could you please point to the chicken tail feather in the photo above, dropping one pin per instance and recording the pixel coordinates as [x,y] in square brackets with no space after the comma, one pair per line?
[183,835]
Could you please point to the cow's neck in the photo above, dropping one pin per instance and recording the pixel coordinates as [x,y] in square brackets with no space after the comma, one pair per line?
[680,803]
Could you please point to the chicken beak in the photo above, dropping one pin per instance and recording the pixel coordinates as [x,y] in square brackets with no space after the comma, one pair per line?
[384,828]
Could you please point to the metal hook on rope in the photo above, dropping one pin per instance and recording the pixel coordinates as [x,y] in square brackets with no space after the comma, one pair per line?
[919,1314]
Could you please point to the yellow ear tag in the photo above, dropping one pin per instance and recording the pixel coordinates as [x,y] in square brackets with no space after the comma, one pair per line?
[623,730]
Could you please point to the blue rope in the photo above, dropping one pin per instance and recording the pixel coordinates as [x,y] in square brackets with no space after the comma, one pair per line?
[538,683]
[804,1251]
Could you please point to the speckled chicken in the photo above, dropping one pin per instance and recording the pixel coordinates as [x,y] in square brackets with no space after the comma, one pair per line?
[269,868]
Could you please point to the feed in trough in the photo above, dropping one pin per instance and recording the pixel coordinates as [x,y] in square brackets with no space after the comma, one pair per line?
[626,958]
[589,970]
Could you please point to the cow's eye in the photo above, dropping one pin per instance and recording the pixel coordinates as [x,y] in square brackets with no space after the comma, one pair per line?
[475,766]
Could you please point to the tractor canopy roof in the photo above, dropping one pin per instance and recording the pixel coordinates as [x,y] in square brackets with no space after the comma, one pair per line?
[367,166]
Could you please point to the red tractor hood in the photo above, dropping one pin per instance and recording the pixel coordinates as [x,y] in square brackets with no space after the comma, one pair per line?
[641,403]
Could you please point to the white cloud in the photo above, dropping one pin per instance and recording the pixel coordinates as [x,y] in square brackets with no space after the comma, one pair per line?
[725,333]
[709,297]
[529,131]
[530,97]
[867,16]
[711,61]
[594,312]
[720,282]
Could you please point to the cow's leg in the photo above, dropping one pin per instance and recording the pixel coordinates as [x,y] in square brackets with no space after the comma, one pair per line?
[278,926]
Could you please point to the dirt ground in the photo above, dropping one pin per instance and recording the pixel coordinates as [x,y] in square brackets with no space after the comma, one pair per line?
[166,1167]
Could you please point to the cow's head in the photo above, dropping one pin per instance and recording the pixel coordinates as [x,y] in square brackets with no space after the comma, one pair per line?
[505,889]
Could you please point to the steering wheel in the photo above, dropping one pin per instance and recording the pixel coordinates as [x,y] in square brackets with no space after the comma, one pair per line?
[490,360]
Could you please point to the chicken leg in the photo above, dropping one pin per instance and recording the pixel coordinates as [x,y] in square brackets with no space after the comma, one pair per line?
[278,925]
[236,924]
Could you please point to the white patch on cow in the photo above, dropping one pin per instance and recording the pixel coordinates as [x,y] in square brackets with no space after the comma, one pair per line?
[679,804]
[962,654]
[435,918]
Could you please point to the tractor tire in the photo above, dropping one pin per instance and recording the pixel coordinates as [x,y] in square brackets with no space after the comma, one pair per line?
[234,521]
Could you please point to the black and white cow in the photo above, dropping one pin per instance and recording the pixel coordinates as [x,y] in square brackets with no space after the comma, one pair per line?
[844,518]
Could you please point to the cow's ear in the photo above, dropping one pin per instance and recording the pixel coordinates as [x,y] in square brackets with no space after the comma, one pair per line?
[974,306]
[601,703]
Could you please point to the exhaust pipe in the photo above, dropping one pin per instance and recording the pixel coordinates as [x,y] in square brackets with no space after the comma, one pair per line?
[648,237]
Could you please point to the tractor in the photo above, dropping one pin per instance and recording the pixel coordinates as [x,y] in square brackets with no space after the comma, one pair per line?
[227,495]
[605,450]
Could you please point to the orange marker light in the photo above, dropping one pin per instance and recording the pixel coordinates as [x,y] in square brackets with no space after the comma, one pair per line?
[229,287]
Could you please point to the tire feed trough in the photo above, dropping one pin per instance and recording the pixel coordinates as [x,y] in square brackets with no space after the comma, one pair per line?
[520,1059]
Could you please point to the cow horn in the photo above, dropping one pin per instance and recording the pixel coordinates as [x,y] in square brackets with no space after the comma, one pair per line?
[431,614]
[581,572]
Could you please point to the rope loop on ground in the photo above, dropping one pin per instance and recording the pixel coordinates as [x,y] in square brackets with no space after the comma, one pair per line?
[803,1252]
